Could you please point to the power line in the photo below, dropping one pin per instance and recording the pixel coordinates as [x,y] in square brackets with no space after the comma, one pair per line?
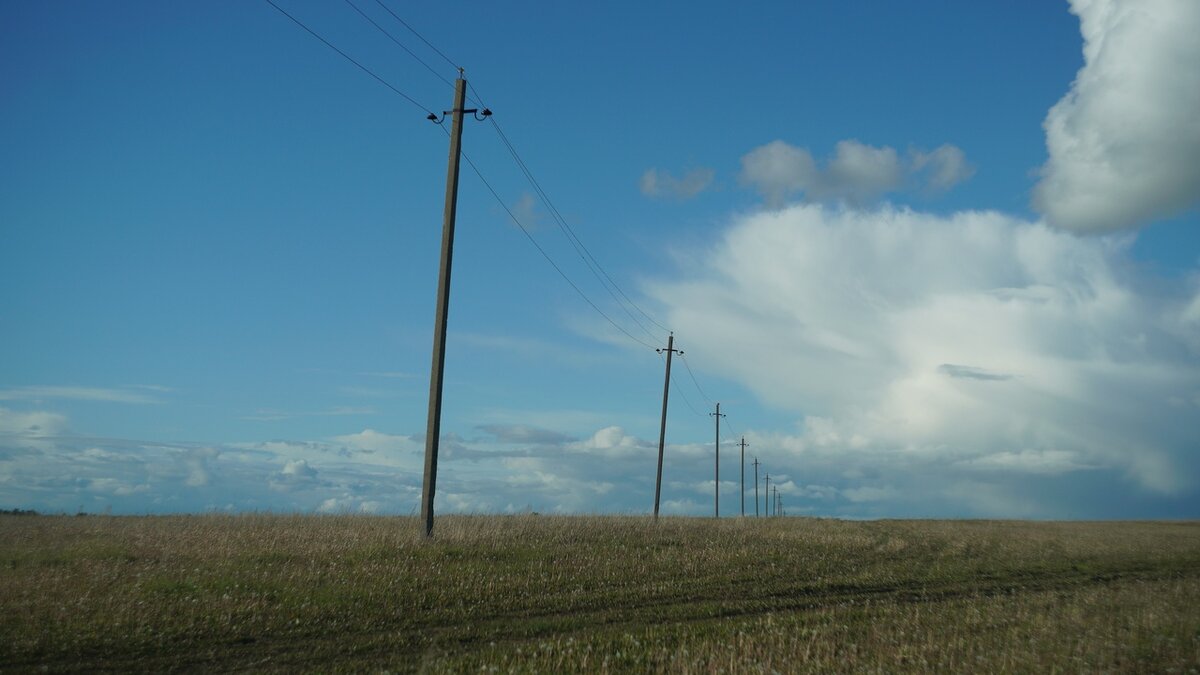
[567,227]
[685,398]
[349,58]
[546,255]
[398,43]
[581,249]
[589,260]
[695,381]
[414,32]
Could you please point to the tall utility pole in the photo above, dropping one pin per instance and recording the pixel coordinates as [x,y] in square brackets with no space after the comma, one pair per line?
[717,465]
[776,491]
[756,463]
[743,444]
[434,427]
[767,495]
[662,432]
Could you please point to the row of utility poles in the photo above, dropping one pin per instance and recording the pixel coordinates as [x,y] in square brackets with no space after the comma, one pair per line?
[769,499]
[434,422]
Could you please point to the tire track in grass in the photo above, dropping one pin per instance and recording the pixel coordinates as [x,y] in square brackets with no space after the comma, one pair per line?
[406,644]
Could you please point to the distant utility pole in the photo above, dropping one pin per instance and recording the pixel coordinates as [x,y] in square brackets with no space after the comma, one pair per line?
[717,466]
[662,432]
[434,427]
[776,491]
[767,494]
[743,444]
[756,463]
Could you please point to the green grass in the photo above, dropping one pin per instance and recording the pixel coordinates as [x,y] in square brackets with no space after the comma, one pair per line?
[559,594]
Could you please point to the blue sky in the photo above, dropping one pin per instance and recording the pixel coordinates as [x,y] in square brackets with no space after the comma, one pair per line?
[934,259]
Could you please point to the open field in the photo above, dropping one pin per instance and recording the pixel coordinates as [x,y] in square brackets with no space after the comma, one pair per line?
[547,594]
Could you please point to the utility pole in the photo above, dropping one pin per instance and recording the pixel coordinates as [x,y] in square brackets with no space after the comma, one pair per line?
[717,465]
[662,432]
[743,444]
[776,491]
[767,495]
[434,427]
[756,463]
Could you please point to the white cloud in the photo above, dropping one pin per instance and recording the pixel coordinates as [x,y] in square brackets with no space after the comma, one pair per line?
[950,345]
[298,470]
[658,183]
[36,423]
[197,462]
[524,434]
[943,168]
[856,174]
[778,169]
[859,172]
[43,392]
[350,504]
[611,442]
[1123,143]
[1047,461]
[375,441]
[526,211]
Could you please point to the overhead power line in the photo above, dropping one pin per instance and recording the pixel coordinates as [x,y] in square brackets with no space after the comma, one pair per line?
[398,43]
[695,381]
[414,32]
[610,285]
[546,255]
[685,398]
[581,249]
[349,58]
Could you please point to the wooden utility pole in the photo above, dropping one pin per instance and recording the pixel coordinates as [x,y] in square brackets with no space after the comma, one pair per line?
[434,426]
[717,465]
[776,505]
[756,463]
[743,444]
[767,495]
[662,431]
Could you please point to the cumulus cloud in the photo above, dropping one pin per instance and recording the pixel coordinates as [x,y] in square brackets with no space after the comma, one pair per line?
[521,433]
[778,169]
[941,169]
[376,441]
[298,471]
[350,504]
[197,461]
[36,423]
[856,173]
[659,183]
[612,442]
[936,348]
[1123,143]
[63,472]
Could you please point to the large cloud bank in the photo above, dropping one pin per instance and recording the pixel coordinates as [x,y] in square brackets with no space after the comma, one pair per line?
[952,360]
[1124,143]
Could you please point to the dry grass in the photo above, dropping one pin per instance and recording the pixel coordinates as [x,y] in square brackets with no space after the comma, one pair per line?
[537,593]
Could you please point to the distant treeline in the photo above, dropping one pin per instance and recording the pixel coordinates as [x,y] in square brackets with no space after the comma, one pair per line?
[18,512]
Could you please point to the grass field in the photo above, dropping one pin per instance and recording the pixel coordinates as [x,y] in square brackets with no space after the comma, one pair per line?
[561,594]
